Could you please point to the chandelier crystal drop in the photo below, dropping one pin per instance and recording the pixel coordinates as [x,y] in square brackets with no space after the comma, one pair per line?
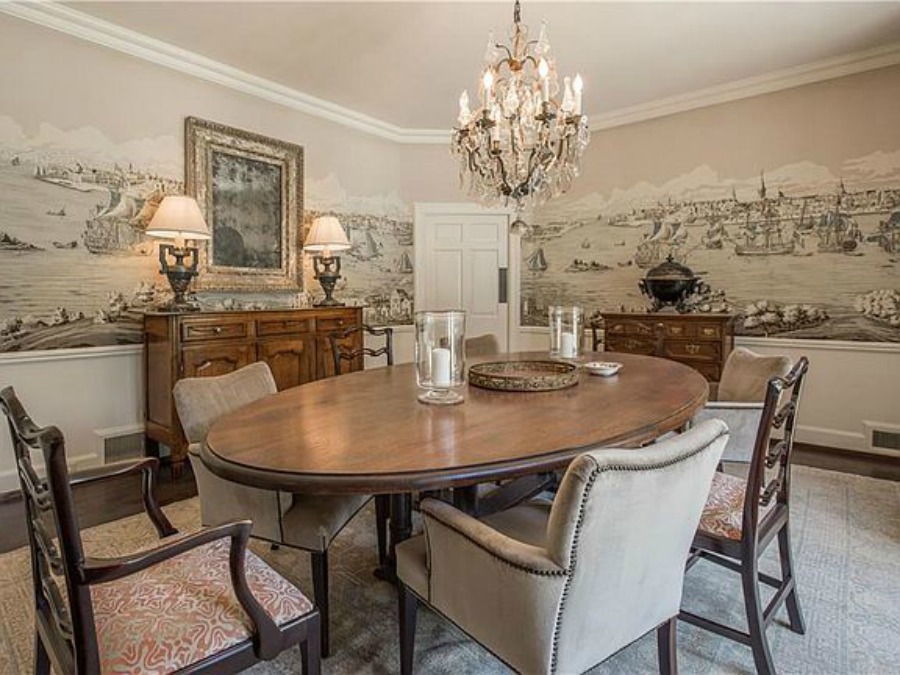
[523,144]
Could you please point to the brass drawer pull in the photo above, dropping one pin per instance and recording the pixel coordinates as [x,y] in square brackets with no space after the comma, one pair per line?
[692,349]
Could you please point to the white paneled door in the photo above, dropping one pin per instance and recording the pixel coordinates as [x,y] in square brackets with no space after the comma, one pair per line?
[462,261]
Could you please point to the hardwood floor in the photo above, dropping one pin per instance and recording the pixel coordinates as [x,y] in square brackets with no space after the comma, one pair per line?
[96,504]
[102,503]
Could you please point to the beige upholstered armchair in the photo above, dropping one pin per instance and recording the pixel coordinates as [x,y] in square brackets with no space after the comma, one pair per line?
[558,589]
[739,400]
[308,522]
[482,345]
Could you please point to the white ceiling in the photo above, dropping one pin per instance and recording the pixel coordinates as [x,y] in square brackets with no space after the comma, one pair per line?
[406,63]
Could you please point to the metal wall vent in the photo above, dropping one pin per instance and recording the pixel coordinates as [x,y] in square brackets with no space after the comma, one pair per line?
[883,438]
[120,443]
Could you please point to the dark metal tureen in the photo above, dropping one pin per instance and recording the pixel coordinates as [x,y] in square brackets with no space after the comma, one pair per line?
[669,283]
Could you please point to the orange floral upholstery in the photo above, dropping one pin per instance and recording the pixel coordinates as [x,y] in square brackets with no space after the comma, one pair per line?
[183,610]
[724,508]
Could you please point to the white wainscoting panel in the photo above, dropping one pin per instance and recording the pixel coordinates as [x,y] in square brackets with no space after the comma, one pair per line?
[78,390]
[849,384]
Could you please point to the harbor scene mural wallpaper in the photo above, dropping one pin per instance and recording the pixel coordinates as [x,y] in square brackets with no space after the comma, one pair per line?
[77,270]
[795,251]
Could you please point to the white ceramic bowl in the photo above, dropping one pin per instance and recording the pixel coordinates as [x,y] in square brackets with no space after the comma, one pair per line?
[603,368]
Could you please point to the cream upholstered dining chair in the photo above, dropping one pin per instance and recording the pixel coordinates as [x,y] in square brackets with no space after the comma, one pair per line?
[307,522]
[743,516]
[740,396]
[558,589]
[482,345]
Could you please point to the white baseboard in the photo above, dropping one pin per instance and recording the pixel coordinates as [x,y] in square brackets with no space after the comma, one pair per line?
[9,479]
[831,438]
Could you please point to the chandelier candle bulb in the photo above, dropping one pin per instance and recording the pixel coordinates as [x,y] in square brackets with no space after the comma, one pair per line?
[524,143]
[544,72]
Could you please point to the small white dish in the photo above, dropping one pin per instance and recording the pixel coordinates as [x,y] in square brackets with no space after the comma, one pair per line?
[603,368]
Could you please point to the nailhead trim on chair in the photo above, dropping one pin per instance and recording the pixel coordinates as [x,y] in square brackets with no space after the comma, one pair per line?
[521,568]
[573,551]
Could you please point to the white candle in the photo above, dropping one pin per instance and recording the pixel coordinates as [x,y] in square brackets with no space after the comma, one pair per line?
[567,346]
[544,74]
[440,367]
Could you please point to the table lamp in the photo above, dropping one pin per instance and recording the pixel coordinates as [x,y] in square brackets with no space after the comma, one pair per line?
[178,217]
[326,236]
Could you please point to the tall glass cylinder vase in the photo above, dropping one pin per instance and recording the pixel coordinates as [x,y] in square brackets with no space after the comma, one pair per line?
[566,332]
[441,356]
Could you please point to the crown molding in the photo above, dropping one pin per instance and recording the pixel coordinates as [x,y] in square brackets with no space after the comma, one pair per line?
[86,27]
[788,78]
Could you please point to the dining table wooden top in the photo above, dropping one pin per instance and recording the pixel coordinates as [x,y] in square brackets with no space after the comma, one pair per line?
[367,432]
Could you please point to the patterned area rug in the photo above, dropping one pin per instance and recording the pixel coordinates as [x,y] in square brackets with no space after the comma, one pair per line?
[847,545]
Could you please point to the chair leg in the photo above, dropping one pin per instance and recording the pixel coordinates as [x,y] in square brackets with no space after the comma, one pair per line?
[310,652]
[41,658]
[666,643]
[382,513]
[409,605]
[762,656]
[319,560]
[795,614]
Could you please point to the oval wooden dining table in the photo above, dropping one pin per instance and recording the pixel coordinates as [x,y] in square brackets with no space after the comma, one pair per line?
[366,432]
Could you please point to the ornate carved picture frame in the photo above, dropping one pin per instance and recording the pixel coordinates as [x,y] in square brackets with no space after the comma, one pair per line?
[250,189]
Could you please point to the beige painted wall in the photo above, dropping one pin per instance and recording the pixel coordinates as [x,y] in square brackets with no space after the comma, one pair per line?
[48,77]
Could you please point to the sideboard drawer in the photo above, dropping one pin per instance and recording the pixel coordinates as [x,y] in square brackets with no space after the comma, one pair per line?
[214,329]
[692,349]
[332,324]
[678,329]
[631,345]
[284,326]
[709,330]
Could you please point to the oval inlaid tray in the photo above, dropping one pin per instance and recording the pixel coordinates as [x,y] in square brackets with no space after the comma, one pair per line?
[523,375]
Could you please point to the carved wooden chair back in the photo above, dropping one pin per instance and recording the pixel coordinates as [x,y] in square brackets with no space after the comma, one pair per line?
[66,626]
[341,353]
[50,513]
[769,477]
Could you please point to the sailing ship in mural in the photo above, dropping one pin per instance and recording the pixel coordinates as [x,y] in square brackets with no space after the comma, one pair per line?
[69,200]
[796,251]
[378,269]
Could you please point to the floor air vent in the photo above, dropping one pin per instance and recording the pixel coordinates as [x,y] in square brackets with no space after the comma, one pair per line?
[118,443]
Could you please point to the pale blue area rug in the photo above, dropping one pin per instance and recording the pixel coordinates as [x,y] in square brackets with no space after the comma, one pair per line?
[846,533]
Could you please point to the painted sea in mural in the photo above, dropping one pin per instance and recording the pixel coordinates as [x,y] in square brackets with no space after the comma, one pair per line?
[75,265]
[815,259]
[77,270]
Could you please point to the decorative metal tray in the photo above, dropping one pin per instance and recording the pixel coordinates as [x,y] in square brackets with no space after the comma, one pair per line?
[523,375]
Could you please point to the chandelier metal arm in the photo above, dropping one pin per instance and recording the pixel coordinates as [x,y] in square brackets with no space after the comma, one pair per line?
[525,140]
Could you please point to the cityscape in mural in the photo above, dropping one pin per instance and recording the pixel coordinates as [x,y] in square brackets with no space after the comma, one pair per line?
[795,251]
[77,269]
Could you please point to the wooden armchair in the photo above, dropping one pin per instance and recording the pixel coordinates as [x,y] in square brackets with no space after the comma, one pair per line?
[196,603]
[340,353]
[743,516]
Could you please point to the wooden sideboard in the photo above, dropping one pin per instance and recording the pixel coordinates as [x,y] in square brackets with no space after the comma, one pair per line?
[702,341]
[293,342]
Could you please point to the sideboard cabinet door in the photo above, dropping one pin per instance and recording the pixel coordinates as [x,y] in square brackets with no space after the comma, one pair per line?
[292,360]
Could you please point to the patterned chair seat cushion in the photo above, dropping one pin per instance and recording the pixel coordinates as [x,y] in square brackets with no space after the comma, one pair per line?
[724,510]
[183,610]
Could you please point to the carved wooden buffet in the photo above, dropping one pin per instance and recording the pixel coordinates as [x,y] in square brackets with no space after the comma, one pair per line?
[702,341]
[294,342]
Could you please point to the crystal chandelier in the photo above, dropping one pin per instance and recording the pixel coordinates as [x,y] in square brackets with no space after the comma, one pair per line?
[522,145]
